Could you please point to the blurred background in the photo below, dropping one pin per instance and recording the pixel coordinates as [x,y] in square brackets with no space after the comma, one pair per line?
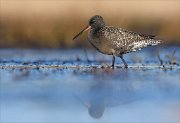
[46,77]
[52,24]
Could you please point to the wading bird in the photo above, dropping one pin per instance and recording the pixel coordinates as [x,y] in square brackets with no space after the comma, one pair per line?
[115,41]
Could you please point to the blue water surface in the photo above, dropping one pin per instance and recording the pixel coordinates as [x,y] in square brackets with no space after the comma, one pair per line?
[70,85]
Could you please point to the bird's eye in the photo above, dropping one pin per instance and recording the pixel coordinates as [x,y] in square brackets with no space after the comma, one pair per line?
[92,21]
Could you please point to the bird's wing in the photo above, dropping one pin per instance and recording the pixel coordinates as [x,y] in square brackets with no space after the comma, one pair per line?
[130,41]
[143,41]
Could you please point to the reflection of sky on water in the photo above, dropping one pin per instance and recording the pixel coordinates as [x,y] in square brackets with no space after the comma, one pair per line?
[88,94]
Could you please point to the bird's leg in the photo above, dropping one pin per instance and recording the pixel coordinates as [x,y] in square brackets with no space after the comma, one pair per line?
[125,64]
[113,60]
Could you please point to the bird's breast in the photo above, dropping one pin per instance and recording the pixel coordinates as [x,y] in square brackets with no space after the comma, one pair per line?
[99,41]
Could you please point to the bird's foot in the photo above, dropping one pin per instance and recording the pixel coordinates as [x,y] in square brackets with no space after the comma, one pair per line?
[112,66]
[126,66]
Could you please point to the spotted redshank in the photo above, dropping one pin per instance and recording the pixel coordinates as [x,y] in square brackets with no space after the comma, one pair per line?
[115,41]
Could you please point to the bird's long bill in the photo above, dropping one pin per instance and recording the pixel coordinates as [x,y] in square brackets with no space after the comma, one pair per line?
[84,30]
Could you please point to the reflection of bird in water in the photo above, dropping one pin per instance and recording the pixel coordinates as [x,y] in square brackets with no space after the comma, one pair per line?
[115,41]
[104,94]
[96,109]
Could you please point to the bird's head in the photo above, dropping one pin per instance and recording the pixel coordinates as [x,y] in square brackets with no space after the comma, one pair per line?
[96,22]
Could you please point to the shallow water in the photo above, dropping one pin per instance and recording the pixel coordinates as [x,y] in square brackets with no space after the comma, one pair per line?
[66,86]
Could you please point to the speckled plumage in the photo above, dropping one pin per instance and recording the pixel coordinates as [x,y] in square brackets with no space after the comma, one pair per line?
[115,41]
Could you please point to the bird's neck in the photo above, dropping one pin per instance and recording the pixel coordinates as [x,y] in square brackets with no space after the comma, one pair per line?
[95,30]
[99,26]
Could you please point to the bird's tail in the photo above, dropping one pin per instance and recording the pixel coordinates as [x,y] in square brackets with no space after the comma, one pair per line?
[144,43]
[153,42]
